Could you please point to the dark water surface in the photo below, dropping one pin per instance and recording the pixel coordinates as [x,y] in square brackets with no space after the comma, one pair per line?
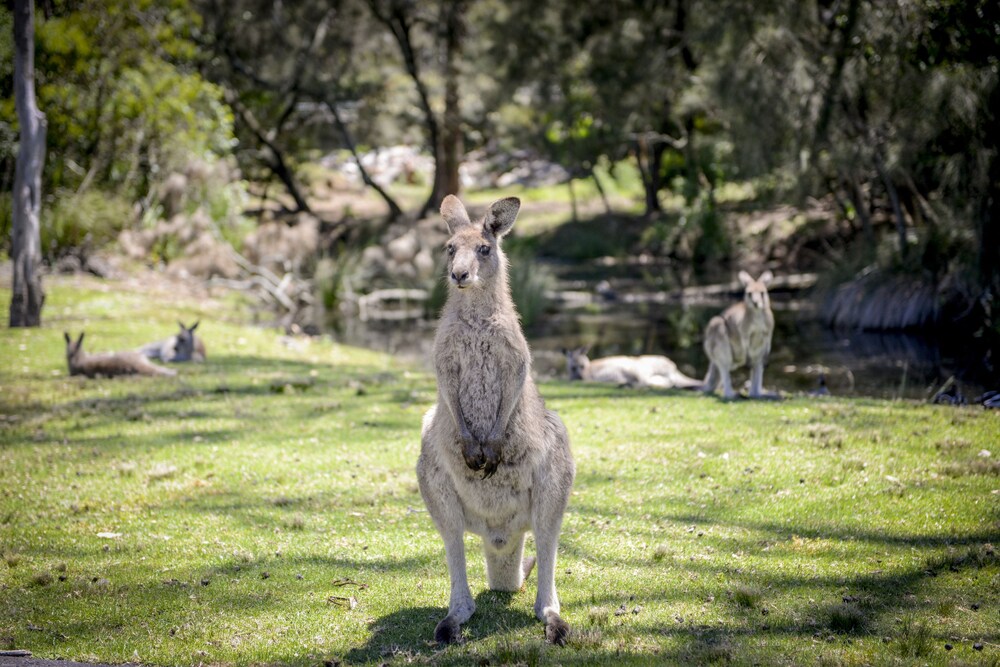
[896,365]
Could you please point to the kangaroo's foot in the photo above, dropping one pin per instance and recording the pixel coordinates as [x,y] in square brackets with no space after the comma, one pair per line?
[527,565]
[556,629]
[448,631]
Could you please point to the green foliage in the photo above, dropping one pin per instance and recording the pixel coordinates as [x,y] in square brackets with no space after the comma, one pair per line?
[529,282]
[82,223]
[123,100]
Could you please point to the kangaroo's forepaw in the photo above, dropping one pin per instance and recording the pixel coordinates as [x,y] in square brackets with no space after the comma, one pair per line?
[556,630]
[472,452]
[492,457]
[448,631]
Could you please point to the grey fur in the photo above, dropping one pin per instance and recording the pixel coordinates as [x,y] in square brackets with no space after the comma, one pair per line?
[648,370]
[108,364]
[742,334]
[184,346]
[493,460]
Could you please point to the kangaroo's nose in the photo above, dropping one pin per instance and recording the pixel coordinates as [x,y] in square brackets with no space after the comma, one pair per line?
[460,278]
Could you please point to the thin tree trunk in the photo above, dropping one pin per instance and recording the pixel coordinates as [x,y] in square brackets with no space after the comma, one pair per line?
[836,75]
[277,164]
[861,208]
[989,216]
[27,294]
[897,210]
[394,210]
[648,159]
[572,199]
[600,190]
[446,180]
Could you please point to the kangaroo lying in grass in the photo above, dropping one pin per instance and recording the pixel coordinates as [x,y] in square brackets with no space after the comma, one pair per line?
[108,364]
[742,334]
[644,371]
[493,460]
[184,346]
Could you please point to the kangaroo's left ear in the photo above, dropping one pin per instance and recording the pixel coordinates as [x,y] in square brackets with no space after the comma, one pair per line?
[766,277]
[500,218]
[194,326]
[454,214]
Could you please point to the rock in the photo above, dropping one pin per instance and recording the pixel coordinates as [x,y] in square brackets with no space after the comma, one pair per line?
[404,248]
[424,264]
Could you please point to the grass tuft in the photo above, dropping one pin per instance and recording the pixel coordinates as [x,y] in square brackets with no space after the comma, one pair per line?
[847,618]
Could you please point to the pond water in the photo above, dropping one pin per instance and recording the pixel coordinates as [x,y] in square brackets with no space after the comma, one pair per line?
[853,363]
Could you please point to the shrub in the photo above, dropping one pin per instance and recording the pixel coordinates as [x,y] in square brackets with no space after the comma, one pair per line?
[82,223]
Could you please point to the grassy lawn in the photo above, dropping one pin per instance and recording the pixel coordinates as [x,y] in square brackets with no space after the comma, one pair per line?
[262,508]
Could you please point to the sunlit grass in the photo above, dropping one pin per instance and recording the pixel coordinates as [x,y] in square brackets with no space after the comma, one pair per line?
[262,508]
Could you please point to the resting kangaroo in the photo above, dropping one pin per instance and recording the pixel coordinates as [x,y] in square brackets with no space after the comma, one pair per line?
[493,460]
[645,371]
[108,364]
[742,334]
[184,346]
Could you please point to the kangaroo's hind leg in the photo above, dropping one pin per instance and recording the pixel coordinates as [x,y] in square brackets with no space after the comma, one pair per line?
[445,509]
[547,513]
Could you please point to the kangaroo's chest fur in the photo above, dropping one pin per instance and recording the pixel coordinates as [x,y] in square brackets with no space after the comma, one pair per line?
[749,331]
[480,356]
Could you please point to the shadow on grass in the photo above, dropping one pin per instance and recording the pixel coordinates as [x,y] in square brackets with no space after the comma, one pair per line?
[410,631]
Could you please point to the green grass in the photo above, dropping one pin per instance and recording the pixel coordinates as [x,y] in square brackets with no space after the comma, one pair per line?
[229,515]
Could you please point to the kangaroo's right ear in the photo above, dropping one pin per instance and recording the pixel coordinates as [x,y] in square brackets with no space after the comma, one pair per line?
[500,218]
[66,336]
[745,278]
[454,214]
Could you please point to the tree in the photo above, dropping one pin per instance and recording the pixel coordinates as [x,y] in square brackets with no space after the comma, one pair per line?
[444,134]
[27,294]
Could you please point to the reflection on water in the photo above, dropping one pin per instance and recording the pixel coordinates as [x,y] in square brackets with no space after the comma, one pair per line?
[853,363]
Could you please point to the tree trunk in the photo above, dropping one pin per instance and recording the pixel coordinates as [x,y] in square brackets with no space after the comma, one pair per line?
[897,210]
[989,216]
[277,164]
[600,190]
[27,295]
[448,152]
[649,159]
[394,210]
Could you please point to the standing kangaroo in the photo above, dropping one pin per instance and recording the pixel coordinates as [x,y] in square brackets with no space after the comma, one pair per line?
[493,460]
[742,334]
[109,364]
[648,370]
[183,346]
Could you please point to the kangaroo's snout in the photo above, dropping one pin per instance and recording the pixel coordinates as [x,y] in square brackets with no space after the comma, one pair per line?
[460,278]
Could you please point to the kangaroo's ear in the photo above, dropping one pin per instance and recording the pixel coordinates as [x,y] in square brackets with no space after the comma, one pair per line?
[181,325]
[583,350]
[766,277]
[454,213]
[500,218]
[194,326]
[79,341]
[745,278]
[66,336]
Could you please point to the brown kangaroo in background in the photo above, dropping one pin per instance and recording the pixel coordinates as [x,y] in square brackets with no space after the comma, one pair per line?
[108,364]
[493,460]
[183,346]
[648,370]
[742,334]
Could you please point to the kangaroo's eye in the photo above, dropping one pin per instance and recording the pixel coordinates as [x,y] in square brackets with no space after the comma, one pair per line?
[451,249]
[484,250]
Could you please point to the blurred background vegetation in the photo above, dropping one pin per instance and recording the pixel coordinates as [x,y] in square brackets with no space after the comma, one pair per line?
[848,138]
